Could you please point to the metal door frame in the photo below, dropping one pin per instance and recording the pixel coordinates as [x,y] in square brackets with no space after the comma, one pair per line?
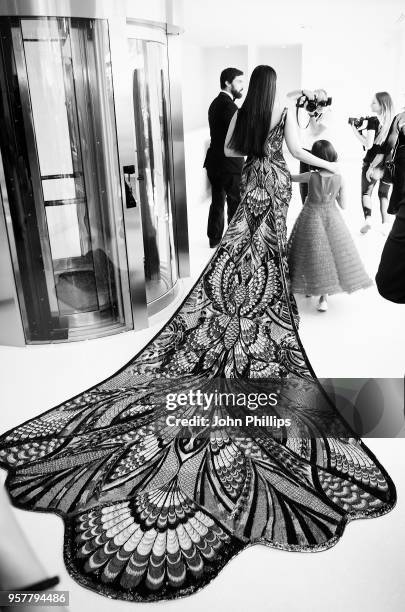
[157,32]
[81,319]
[92,324]
[167,18]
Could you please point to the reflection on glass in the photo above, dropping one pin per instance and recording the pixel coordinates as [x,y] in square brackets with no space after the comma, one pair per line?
[64,234]
[150,89]
[58,189]
[48,103]
[68,72]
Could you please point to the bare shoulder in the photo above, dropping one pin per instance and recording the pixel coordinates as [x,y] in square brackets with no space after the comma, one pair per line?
[276,115]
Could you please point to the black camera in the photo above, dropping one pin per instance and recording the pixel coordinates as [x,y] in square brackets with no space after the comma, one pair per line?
[357,122]
[312,105]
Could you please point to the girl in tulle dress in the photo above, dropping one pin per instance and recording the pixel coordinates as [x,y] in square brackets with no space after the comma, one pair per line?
[322,256]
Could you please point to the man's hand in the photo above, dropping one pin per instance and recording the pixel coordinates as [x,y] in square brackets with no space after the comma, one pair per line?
[320,95]
[309,94]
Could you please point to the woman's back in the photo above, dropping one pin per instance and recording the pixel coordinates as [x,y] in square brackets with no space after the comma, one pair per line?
[323,187]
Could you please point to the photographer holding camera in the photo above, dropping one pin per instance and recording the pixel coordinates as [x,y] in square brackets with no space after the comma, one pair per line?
[314,103]
[372,133]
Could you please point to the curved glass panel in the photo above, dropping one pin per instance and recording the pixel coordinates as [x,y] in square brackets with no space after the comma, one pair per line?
[151,95]
[60,123]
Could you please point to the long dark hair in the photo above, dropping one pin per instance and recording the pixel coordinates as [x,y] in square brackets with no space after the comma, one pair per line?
[325,150]
[254,117]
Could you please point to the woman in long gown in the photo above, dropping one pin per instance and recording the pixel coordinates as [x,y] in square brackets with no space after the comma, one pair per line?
[150,512]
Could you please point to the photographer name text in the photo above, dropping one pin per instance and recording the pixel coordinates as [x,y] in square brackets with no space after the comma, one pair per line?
[227,421]
[217,400]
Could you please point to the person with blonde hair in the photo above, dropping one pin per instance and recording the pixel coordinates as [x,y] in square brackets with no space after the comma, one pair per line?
[372,134]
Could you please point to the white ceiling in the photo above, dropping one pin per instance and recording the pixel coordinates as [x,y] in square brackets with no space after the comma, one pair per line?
[232,22]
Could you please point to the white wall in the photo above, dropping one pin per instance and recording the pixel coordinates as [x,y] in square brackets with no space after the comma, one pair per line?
[154,10]
[201,70]
[349,63]
[351,67]
[287,62]
[398,65]
[202,67]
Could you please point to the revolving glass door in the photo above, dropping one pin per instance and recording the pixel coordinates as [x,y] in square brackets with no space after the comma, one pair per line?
[152,171]
[59,151]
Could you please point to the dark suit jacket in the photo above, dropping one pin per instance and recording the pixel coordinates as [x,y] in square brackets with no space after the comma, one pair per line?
[220,114]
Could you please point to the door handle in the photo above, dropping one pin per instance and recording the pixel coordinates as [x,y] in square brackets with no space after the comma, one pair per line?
[130,201]
[129,196]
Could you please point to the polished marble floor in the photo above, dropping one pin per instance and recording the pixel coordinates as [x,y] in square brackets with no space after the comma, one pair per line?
[361,335]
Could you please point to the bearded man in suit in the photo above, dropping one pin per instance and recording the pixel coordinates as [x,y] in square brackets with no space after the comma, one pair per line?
[224,173]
